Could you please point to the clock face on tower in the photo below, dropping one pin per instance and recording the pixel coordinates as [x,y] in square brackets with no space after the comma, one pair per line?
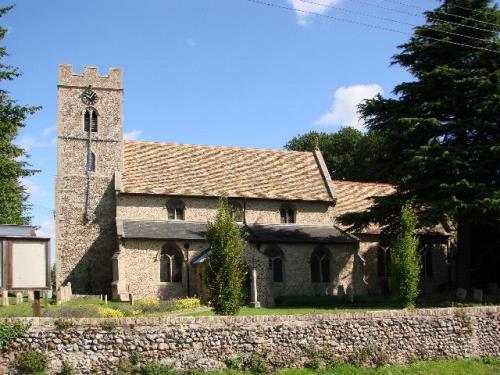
[89,97]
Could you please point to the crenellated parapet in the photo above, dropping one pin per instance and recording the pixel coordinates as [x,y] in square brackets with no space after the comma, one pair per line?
[90,76]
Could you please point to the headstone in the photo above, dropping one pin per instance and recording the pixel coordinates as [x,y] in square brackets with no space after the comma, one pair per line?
[350,294]
[341,292]
[5,298]
[254,300]
[70,291]
[19,298]
[105,299]
[477,294]
[59,296]
[31,296]
[131,298]
[461,293]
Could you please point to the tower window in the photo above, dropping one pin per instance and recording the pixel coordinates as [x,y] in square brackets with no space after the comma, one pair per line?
[383,260]
[170,265]
[426,260]
[287,214]
[91,162]
[320,266]
[175,209]
[90,120]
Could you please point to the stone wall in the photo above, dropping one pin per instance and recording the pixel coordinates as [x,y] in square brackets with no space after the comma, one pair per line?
[205,342]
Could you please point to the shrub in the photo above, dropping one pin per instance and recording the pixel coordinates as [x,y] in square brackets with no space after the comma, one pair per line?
[30,362]
[257,364]
[187,303]
[225,267]
[404,268]
[154,368]
[10,331]
[87,311]
[67,369]
[371,356]
[136,357]
[62,324]
[108,312]
[234,363]
[321,358]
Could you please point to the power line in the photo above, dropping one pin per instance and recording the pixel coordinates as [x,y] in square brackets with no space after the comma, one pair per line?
[390,20]
[273,5]
[442,11]
[419,15]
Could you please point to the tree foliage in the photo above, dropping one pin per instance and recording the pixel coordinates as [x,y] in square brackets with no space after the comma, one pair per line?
[225,270]
[404,267]
[349,154]
[13,195]
[441,129]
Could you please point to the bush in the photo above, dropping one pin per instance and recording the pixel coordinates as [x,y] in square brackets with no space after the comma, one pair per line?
[30,362]
[108,312]
[87,311]
[67,369]
[371,356]
[404,267]
[225,270]
[108,325]
[256,364]
[154,368]
[62,324]
[10,331]
[148,305]
[187,303]
[321,358]
[234,363]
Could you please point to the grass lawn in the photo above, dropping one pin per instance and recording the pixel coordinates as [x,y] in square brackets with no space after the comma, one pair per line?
[486,366]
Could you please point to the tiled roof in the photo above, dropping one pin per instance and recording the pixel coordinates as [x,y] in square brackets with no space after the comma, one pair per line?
[257,233]
[195,170]
[356,197]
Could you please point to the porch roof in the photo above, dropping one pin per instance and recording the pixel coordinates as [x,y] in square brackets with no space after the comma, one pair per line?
[257,233]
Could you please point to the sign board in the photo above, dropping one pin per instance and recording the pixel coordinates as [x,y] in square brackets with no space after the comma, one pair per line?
[25,263]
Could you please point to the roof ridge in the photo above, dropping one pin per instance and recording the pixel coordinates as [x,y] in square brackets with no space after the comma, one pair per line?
[218,146]
[363,183]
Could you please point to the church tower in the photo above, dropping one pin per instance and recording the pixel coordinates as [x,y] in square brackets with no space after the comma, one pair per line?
[89,152]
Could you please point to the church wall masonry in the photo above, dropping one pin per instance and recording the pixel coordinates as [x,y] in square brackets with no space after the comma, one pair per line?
[203,343]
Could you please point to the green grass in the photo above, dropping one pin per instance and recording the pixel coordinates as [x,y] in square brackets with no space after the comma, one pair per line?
[486,366]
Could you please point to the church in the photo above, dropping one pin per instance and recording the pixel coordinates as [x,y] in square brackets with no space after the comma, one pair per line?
[131,216]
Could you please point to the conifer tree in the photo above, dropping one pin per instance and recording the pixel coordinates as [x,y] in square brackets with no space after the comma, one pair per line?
[225,269]
[442,127]
[13,195]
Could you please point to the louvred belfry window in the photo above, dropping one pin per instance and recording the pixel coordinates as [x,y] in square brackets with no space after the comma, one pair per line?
[90,119]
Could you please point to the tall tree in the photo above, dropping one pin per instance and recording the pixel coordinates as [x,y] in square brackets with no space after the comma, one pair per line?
[349,154]
[225,270]
[13,195]
[442,128]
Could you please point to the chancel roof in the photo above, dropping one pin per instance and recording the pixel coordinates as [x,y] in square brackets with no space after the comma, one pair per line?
[196,170]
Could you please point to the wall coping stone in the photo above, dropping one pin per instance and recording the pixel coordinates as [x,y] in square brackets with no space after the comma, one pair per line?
[127,322]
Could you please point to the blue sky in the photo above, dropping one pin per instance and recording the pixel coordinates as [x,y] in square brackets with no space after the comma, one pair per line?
[221,72]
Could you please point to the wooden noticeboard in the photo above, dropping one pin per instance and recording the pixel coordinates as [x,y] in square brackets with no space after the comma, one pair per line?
[25,264]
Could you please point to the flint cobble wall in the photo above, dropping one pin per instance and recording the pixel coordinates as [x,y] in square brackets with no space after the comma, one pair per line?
[205,342]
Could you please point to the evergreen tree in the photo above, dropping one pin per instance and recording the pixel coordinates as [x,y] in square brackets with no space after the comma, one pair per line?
[441,130]
[225,267]
[404,267]
[13,195]
[349,154]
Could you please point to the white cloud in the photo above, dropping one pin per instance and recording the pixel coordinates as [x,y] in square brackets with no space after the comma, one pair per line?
[132,135]
[27,142]
[344,109]
[301,8]
[49,130]
[47,229]
[32,188]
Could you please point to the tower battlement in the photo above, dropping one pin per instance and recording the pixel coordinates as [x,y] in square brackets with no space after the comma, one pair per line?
[90,76]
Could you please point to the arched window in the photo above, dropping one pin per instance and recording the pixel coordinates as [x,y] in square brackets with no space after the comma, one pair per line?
[90,120]
[287,214]
[426,259]
[236,210]
[320,265]
[91,162]
[175,209]
[171,265]
[383,260]
[275,255]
